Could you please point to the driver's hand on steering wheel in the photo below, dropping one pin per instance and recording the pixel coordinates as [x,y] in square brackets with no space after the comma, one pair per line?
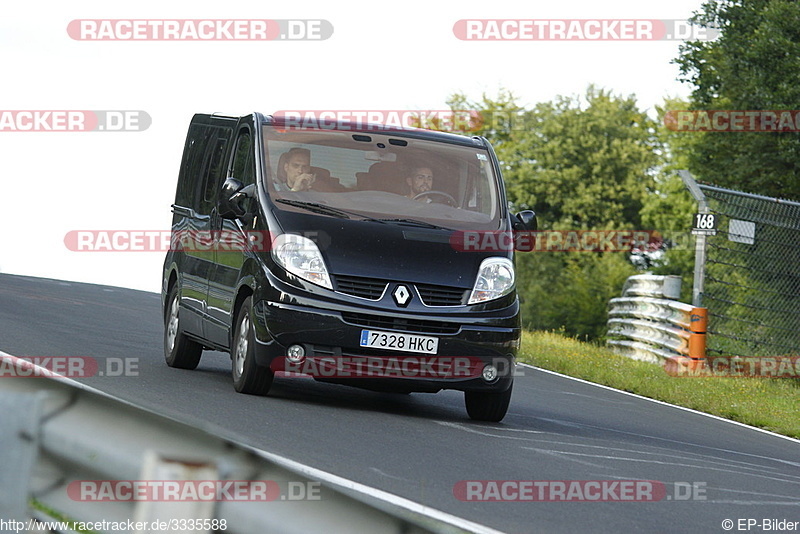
[430,195]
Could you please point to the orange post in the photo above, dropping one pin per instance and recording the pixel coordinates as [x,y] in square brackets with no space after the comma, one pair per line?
[698,322]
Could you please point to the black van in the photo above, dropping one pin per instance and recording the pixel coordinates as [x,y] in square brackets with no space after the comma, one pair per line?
[357,254]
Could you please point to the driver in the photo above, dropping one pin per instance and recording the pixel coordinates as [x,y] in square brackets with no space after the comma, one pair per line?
[419,181]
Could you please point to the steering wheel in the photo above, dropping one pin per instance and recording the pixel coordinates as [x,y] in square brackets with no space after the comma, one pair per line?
[450,200]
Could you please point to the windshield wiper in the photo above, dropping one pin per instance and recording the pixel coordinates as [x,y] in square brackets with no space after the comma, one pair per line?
[316,207]
[325,209]
[415,222]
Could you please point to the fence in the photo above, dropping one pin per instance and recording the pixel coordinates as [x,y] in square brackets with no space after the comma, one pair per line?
[748,272]
[647,324]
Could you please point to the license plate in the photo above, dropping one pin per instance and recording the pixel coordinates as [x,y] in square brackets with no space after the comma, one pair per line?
[403,342]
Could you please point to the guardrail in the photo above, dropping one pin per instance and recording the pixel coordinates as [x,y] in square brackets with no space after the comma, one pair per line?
[646,323]
[58,433]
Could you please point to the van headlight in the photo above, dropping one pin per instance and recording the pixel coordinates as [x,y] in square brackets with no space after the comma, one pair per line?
[299,255]
[495,279]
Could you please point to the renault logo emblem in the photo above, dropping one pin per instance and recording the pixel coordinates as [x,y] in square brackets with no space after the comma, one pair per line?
[401,295]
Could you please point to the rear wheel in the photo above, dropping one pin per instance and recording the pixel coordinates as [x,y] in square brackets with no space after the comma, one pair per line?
[487,405]
[179,350]
[248,377]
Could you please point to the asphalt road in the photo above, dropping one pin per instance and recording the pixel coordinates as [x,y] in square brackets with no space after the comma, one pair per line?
[421,446]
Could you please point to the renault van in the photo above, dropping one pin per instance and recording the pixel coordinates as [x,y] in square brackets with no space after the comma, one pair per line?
[357,254]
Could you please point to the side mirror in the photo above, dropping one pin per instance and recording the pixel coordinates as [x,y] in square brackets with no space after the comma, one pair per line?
[231,196]
[525,226]
[526,221]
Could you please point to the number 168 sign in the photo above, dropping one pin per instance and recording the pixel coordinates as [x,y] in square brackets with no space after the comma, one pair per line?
[705,223]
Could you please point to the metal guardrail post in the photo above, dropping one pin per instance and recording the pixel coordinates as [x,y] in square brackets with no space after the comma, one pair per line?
[19,443]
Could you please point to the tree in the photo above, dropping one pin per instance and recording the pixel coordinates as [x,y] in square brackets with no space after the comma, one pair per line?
[580,163]
[669,208]
[753,65]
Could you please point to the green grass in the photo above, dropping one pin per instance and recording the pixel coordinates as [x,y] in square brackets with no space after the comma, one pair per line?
[771,404]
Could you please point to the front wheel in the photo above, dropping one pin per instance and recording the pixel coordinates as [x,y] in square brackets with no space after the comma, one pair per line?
[487,405]
[179,350]
[248,376]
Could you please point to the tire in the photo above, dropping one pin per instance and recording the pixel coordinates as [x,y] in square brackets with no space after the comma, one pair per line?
[248,376]
[179,351]
[487,405]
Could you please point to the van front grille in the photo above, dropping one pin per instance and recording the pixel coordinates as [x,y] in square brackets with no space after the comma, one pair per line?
[366,288]
[373,288]
[442,295]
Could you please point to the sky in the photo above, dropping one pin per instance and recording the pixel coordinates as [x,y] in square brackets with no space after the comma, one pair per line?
[380,56]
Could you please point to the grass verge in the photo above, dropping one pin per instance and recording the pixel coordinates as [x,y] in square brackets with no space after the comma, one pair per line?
[771,404]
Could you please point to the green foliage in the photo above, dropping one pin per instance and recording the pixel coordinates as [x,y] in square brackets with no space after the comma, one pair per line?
[585,168]
[753,65]
[669,207]
[580,163]
[570,290]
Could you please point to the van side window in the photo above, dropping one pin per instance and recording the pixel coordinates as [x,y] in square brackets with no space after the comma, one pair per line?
[213,170]
[196,143]
[244,166]
[243,163]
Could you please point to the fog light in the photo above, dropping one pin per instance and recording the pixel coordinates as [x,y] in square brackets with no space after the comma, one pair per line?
[296,354]
[490,373]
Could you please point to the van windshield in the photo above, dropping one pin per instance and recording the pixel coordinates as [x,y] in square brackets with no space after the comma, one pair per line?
[382,175]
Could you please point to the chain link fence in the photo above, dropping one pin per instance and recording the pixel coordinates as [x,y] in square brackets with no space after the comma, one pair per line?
[752,274]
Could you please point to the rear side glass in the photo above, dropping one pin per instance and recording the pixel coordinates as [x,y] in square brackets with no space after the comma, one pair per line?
[213,170]
[189,180]
[243,163]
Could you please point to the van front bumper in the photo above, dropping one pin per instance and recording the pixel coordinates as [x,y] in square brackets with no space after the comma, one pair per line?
[330,339]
